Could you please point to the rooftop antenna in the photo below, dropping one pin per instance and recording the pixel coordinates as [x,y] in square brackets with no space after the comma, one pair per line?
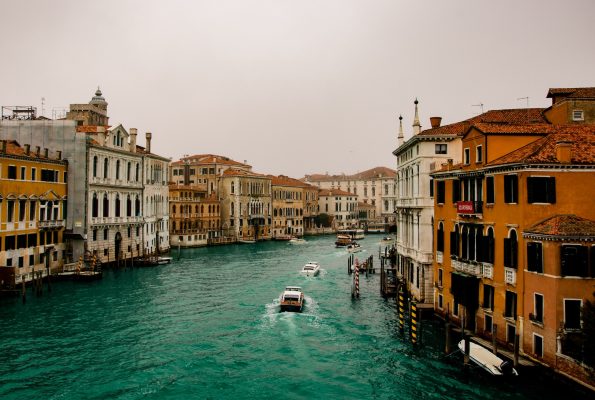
[524,98]
[42,106]
[478,105]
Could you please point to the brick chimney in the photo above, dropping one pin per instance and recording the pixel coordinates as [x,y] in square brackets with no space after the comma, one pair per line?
[133,133]
[27,148]
[3,146]
[564,151]
[148,136]
[37,149]
[435,122]
[46,152]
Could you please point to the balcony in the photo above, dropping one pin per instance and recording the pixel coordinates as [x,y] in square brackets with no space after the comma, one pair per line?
[469,207]
[510,275]
[488,270]
[471,268]
[58,223]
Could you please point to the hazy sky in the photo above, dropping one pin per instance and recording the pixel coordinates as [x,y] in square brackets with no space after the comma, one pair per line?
[292,86]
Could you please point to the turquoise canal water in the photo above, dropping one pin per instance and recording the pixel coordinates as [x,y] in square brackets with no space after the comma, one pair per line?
[207,326]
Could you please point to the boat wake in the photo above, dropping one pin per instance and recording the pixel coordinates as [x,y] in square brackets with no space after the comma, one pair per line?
[273,314]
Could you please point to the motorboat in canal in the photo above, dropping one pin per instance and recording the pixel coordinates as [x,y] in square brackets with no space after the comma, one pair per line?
[151,261]
[387,239]
[312,268]
[296,240]
[354,234]
[488,360]
[354,248]
[292,299]
[247,241]
[343,240]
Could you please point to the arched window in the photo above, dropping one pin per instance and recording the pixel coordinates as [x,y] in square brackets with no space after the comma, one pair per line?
[128,206]
[128,170]
[202,209]
[137,206]
[440,238]
[117,205]
[95,206]
[118,169]
[232,187]
[510,250]
[105,206]
[232,209]
[136,173]
[173,209]
[95,167]
[105,167]
[489,256]
[196,209]
[49,208]
[465,243]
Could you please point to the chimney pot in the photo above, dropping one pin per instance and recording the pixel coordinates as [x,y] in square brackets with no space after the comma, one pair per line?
[46,152]
[564,151]
[27,148]
[37,149]
[2,146]
[59,154]
[148,137]
[435,122]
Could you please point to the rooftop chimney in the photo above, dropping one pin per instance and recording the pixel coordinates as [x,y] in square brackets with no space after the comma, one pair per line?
[564,151]
[27,147]
[148,146]
[2,146]
[435,122]
[46,152]
[59,154]
[133,133]
[37,151]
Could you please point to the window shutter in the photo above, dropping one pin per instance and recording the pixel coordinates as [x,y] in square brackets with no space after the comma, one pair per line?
[530,190]
[453,244]
[507,255]
[514,254]
[531,256]
[490,189]
[456,190]
[551,190]
[507,189]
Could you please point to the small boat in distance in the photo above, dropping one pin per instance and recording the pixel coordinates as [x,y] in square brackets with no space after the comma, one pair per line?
[282,238]
[354,248]
[354,234]
[312,268]
[246,241]
[296,240]
[488,360]
[387,239]
[292,299]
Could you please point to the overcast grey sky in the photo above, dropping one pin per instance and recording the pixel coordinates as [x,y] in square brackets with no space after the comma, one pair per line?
[293,87]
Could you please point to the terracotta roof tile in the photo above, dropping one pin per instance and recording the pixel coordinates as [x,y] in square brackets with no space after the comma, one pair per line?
[198,159]
[514,129]
[241,172]
[376,172]
[283,180]
[574,93]
[543,150]
[567,225]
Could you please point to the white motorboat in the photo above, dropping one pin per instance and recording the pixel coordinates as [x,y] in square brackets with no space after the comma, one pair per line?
[292,299]
[354,248]
[295,240]
[488,360]
[312,268]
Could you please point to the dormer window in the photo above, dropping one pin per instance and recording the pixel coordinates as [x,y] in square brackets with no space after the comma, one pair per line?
[578,115]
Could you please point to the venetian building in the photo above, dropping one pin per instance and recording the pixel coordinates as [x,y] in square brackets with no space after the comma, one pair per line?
[246,210]
[33,206]
[341,205]
[288,207]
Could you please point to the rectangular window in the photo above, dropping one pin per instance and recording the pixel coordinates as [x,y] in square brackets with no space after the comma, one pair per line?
[94,234]
[10,242]
[12,172]
[541,189]
[440,192]
[441,149]
[510,333]
[534,257]
[511,188]
[510,309]
[488,297]
[572,313]
[431,187]
[455,308]
[573,261]
[440,277]
[537,345]
[578,115]
[479,154]
[456,191]
[490,189]
[23,173]
[10,210]
[488,323]
[440,301]
[31,260]
[467,156]
[33,174]
[537,308]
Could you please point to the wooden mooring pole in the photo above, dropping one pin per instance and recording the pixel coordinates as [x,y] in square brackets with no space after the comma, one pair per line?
[447,332]
[23,290]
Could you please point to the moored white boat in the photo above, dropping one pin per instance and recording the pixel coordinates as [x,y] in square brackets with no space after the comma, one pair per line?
[488,360]
[312,268]
[292,299]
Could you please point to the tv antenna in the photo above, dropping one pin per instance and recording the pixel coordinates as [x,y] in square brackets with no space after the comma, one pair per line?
[478,105]
[524,98]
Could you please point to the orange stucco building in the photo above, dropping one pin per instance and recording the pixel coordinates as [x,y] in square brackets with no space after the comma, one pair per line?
[513,233]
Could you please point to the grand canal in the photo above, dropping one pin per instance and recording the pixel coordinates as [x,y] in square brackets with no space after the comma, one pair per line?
[208,326]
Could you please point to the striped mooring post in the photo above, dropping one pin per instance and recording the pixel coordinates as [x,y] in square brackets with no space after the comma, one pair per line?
[401,310]
[355,292]
[413,315]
